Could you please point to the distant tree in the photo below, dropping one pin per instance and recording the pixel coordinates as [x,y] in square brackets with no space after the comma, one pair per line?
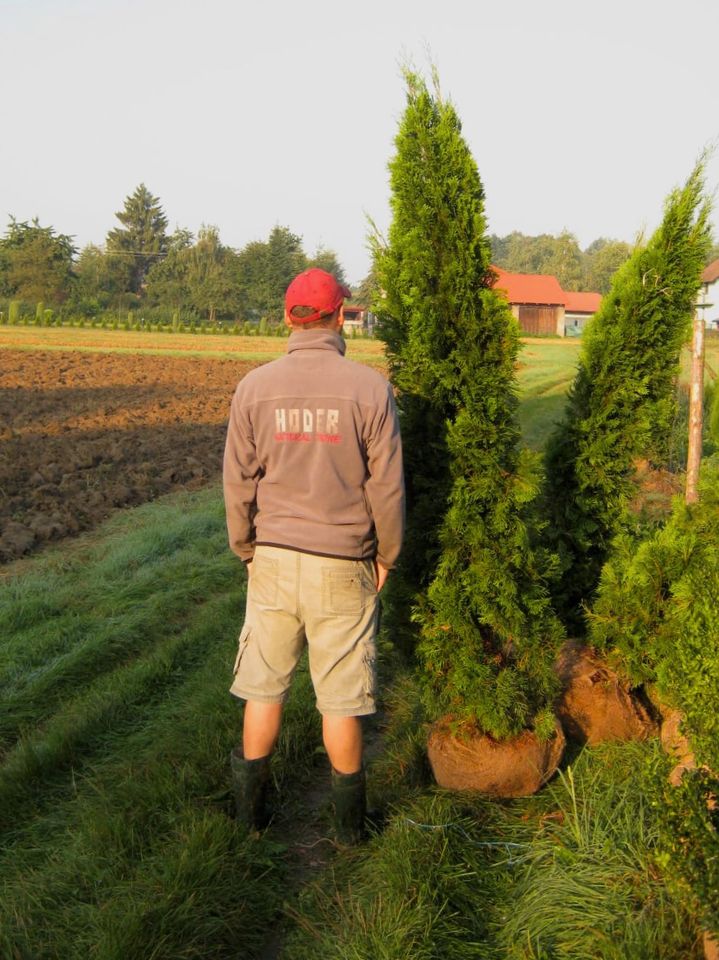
[142,238]
[99,279]
[210,280]
[488,635]
[166,282]
[264,271]
[253,281]
[623,400]
[327,260]
[559,256]
[602,260]
[36,263]
[368,290]
[285,259]
[565,262]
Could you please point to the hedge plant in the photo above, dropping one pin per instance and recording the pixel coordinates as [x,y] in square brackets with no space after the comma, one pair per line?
[622,403]
[656,618]
[487,635]
[656,614]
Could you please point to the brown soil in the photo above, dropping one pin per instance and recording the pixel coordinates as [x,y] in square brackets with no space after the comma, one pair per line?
[498,768]
[596,704]
[82,434]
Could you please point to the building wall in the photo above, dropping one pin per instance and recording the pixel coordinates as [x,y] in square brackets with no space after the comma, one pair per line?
[709,293]
[536,320]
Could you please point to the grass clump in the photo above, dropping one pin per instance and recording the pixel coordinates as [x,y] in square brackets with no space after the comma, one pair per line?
[588,885]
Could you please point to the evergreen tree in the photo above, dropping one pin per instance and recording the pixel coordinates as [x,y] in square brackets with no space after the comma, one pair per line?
[209,279]
[327,260]
[142,239]
[488,636]
[623,400]
[167,281]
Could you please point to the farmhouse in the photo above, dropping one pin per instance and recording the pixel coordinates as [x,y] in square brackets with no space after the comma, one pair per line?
[358,318]
[709,294]
[579,307]
[542,307]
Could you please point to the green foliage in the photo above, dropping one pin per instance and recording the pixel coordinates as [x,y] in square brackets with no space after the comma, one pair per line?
[623,401]
[689,846]
[35,263]
[327,260]
[13,314]
[141,239]
[488,636]
[656,614]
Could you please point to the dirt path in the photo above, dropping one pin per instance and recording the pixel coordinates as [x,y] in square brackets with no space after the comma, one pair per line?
[302,824]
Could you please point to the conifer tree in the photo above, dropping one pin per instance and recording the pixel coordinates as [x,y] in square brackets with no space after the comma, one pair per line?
[142,237]
[623,400]
[488,637]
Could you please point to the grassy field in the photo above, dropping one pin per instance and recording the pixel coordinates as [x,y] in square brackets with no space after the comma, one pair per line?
[116,841]
[167,344]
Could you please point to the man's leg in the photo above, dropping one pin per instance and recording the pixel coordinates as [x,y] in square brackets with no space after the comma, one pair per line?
[343,741]
[261,728]
[251,764]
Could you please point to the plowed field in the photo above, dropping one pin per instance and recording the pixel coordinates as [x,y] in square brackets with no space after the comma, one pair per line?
[82,434]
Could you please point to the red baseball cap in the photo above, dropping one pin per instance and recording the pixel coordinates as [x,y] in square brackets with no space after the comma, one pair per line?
[317,289]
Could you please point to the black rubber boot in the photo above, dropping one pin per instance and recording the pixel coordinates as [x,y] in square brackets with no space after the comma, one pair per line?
[249,780]
[350,806]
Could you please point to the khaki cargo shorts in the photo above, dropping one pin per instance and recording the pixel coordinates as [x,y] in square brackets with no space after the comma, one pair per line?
[330,605]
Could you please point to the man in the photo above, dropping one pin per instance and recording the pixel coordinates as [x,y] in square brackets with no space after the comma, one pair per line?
[314,497]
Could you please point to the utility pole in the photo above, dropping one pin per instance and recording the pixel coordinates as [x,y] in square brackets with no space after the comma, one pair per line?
[696,404]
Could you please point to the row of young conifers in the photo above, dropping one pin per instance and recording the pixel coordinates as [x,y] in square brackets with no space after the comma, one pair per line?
[505,561]
[116,724]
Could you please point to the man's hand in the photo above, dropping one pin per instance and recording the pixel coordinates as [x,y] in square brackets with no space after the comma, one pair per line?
[380,573]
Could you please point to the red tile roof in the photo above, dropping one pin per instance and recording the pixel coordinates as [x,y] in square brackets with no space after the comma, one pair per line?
[535,288]
[711,273]
[582,302]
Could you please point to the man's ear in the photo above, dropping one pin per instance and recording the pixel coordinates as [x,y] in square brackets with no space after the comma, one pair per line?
[341,318]
[288,322]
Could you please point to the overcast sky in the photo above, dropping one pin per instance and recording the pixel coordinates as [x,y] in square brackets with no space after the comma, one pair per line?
[581,115]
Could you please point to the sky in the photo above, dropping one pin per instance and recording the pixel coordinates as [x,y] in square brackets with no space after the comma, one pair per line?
[581,115]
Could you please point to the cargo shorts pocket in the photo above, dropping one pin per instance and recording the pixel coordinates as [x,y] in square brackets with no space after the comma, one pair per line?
[263,581]
[241,648]
[369,662]
[344,591]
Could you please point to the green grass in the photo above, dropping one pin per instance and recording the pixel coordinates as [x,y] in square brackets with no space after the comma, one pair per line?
[546,370]
[117,726]
[567,875]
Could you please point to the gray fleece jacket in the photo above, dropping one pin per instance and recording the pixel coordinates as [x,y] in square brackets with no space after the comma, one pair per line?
[313,459]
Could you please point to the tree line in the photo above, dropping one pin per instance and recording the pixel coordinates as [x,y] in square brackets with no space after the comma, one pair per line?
[142,267]
[590,269]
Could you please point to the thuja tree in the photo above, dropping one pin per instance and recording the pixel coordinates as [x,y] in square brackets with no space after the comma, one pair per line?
[655,617]
[487,635]
[622,403]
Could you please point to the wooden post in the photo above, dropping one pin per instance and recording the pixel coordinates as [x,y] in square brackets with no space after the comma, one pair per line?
[696,401]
